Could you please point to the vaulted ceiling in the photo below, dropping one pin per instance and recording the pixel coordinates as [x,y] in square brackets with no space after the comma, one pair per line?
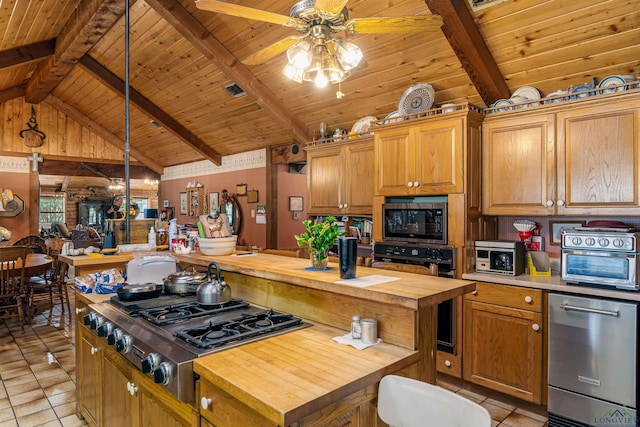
[71,55]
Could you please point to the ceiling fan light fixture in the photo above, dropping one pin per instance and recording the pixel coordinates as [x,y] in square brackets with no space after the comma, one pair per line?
[349,54]
[299,55]
[295,74]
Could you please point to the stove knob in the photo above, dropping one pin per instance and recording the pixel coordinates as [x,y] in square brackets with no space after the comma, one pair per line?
[150,363]
[96,322]
[589,241]
[603,242]
[618,243]
[105,329]
[88,318]
[124,344]
[164,373]
[114,336]
[576,241]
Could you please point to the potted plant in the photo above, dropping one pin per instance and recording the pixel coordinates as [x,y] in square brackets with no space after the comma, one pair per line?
[319,238]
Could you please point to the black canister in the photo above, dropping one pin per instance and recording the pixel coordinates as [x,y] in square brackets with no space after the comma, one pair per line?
[347,254]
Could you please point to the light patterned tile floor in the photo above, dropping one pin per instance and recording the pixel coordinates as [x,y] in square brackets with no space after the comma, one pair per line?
[37,379]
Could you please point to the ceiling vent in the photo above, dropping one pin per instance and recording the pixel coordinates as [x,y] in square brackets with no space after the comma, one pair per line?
[483,4]
[234,90]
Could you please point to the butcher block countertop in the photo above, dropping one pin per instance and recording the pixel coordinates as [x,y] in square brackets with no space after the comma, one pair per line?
[409,290]
[289,376]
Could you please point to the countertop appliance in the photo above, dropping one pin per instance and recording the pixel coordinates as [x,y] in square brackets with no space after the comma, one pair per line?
[445,258]
[161,336]
[593,351]
[604,258]
[500,257]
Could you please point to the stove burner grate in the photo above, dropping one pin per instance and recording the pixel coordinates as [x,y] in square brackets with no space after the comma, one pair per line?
[240,328]
[171,314]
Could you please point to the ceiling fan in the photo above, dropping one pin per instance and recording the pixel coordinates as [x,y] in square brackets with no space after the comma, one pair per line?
[318,54]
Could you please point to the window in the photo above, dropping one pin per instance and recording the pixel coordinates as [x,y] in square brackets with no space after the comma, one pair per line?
[52,209]
[143,203]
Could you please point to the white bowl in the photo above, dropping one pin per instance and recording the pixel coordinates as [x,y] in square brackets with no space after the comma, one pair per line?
[217,245]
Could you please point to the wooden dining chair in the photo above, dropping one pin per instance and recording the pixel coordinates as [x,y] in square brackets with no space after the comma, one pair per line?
[46,294]
[12,261]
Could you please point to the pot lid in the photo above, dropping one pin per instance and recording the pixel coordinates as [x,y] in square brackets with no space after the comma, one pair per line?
[186,276]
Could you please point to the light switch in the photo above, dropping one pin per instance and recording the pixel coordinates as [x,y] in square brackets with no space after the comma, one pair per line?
[253,213]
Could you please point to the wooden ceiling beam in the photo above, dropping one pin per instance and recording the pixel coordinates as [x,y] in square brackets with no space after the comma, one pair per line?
[12,93]
[469,46]
[86,26]
[76,168]
[26,54]
[169,123]
[105,134]
[198,35]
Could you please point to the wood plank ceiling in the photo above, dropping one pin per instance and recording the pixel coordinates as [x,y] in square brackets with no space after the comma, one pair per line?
[70,55]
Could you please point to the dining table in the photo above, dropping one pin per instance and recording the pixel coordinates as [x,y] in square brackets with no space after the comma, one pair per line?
[36,264]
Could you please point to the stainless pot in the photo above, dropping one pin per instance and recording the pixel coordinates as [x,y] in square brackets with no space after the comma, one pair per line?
[185,282]
[215,290]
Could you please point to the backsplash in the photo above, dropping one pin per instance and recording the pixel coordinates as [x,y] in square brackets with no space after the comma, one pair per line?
[506,231]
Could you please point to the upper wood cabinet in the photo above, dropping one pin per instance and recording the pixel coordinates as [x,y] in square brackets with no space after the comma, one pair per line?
[340,178]
[424,158]
[195,201]
[577,159]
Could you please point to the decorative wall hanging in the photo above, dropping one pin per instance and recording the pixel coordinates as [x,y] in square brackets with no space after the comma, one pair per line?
[241,190]
[252,196]
[213,202]
[296,203]
[183,203]
[19,208]
[33,137]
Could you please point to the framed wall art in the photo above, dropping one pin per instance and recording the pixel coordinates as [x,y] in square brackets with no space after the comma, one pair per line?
[183,203]
[213,202]
[557,227]
[252,196]
[296,203]
[241,190]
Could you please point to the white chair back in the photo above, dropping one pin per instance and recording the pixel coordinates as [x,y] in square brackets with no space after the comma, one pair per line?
[411,403]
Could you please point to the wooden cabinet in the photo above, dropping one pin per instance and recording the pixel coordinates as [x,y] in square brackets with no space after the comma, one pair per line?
[195,202]
[578,159]
[340,178]
[503,340]
[88,390]
[420,159]
[223,410]
[112,392]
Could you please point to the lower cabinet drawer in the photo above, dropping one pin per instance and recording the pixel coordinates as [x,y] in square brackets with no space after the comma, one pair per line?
[223,410]
[508,296]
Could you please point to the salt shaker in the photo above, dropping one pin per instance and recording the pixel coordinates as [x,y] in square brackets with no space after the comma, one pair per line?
[356,329]
[369,328]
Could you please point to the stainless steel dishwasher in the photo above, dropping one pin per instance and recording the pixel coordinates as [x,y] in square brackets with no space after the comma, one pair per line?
[593,346]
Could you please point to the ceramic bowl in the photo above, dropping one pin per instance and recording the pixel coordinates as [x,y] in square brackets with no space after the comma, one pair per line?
[217,245]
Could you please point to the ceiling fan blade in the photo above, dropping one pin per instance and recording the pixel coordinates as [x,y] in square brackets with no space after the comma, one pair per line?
[332,6]
[245,12]
[269,52]
[400,24]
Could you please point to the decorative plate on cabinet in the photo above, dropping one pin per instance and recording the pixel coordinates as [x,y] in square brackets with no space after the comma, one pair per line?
[417,98]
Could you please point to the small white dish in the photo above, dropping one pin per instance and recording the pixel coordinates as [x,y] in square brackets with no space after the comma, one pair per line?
[529,92]
[448,108]
[502,105]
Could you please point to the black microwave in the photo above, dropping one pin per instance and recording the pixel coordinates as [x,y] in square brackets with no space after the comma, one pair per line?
[415,222]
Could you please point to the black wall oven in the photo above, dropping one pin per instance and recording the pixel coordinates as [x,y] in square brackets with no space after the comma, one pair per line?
[424,254]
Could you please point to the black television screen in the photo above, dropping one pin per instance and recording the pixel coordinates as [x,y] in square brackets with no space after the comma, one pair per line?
[151,213]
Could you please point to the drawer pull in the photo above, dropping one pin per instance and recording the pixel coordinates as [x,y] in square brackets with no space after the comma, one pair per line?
[535,327]
[205,403]
[94,350]
[528,299]
[79,310]
[447,363]
[474,292]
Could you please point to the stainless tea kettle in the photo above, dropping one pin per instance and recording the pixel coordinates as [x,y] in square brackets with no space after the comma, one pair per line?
[214,290]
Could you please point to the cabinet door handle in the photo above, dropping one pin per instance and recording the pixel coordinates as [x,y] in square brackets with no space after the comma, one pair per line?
[535,327]
[410,184]
[345,206]
[474,292]
[528,299]
[340,205]
[132,388]
[205,403]
[560,202]
[549,203]
[79,310]
[416,184]
[447,363]
[94,350]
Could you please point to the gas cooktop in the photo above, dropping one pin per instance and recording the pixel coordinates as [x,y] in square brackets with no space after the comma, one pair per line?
[161,336]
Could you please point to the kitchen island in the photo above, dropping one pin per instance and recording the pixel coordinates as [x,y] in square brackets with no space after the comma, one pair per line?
[301,377]
[304,377]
